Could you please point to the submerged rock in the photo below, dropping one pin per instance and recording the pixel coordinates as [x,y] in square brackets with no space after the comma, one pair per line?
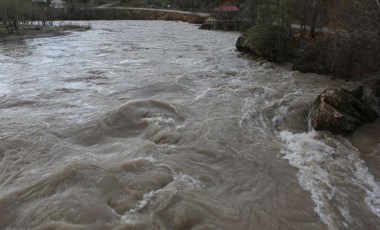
[341,111]
[205,26]
[242,44]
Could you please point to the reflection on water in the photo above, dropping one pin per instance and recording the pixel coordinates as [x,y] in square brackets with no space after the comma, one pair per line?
[159,125]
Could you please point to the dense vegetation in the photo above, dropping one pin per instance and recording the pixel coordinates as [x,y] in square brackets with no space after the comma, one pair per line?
[26,14]
[340,37]
[14,13]
[30,19]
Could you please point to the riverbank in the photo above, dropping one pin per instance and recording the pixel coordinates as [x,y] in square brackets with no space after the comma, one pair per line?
[343,56]
[97,124]
[43,14]
[337,110]
[38,31]
[124,13]
[88,14]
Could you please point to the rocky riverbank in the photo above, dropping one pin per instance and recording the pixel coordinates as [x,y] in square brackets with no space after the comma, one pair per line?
[337,110]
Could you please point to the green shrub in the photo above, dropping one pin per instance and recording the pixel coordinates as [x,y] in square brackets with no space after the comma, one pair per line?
[352,56]
[271,42]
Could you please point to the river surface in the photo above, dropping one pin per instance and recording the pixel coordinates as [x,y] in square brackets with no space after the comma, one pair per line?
[159,125]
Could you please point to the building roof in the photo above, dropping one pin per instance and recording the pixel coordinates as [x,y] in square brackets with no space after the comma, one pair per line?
[227,8]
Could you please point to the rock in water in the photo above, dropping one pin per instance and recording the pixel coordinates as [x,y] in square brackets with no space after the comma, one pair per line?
[205,26]
[242,44]
[339,111]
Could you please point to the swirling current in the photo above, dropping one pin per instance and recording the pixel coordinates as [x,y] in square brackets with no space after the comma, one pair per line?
[159,125]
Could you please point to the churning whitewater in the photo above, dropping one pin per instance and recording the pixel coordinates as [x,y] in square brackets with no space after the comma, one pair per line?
[159,125]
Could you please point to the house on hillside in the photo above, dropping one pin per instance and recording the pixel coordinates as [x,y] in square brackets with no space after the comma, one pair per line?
[224,17]
[226,13]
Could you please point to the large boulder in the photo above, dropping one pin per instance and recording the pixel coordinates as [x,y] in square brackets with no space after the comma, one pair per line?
[375,85]
[242,44]
[341,111]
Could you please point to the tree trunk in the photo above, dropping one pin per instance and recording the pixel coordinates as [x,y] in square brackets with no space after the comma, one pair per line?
[314,18]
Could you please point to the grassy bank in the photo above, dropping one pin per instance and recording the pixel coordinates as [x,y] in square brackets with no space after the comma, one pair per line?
[35,31]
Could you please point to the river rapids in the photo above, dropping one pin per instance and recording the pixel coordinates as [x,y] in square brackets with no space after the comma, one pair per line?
[159,125]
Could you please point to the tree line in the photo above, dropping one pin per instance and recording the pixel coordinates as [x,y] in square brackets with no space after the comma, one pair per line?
[340,37]
[14,13]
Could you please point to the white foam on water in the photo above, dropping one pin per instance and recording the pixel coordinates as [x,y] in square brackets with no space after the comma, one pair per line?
[309,125]
[282,112]
[181,178]
[306,154]
[366,181]
[5,89]
[346,215]
[144,202]
[313,158]
[132,215]
[134,62]
[180,181]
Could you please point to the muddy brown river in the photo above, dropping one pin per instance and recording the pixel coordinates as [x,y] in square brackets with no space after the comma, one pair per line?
[159,125]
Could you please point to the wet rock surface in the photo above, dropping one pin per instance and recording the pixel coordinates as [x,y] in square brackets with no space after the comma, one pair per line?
[205,26]
[341,111]
[374,84]
[242,45]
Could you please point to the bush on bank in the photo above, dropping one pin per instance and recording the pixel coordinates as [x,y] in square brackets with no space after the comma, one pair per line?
[347,55]
[350,56]
[271,42]
[15,13]
[341,38]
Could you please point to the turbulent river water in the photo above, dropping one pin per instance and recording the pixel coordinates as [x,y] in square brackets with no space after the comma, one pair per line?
[159,125]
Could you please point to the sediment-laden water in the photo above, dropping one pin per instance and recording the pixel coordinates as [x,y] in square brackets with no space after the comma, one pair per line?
[159,125]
